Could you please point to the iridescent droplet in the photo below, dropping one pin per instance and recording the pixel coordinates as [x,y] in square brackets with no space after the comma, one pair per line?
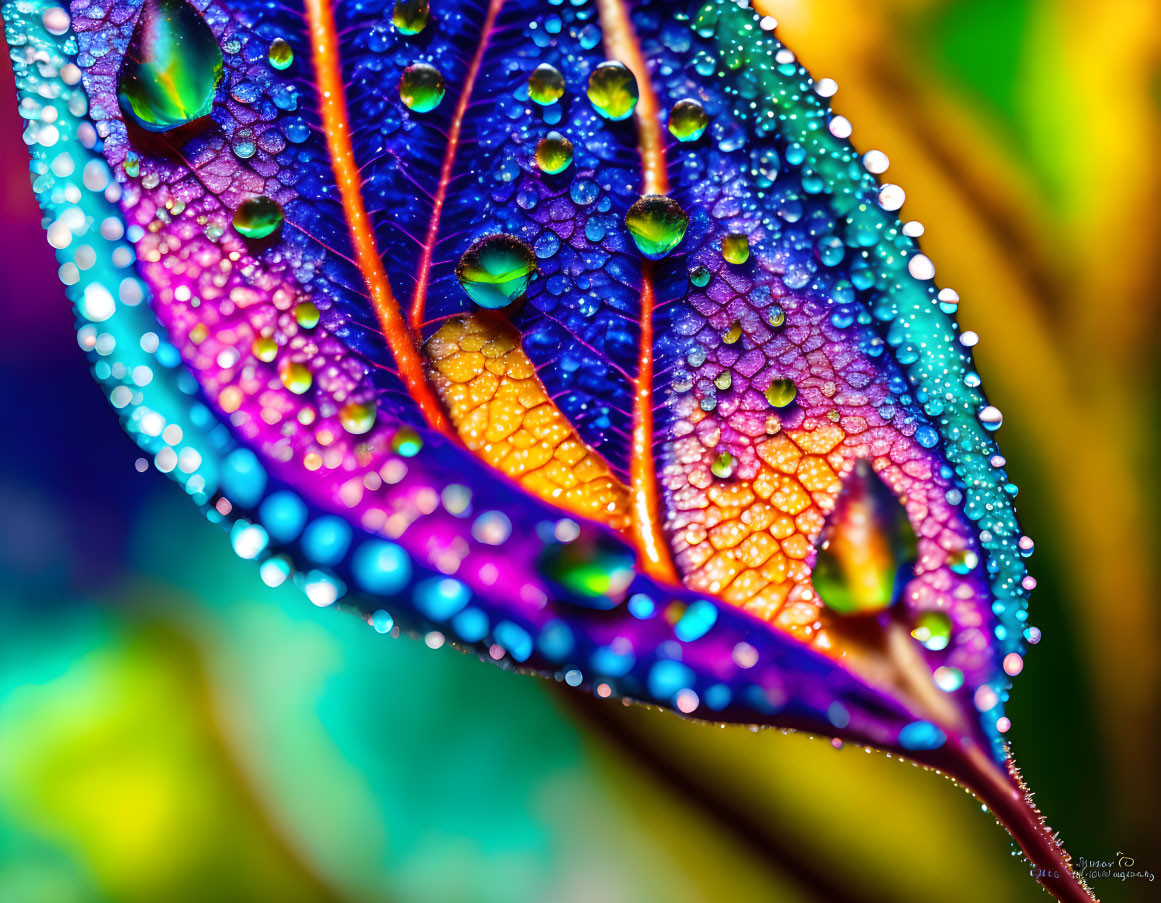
[357,419]
[723,466]
[280,54]
[421,87]
[963,561]
[171,68]
[306,314]
[933,630]
[258,217]
[410,16]
[296,377]
[736,248]
[612,90]
[657,224]
[777,316]
[781,393]
[724,380]
[867,549]
[264,348]
[554,153]
[700,276]
[496,270]
[594,570]
[406,442]
[545,85]
[733,333]
[688,120]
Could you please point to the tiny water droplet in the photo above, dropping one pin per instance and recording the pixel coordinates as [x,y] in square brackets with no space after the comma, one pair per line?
[421,87]
[410,16]
[496,270]
[736,248]
[612,90]
[280,54]
[688,120]
[545,85]
[657,224]
[258,217]
[554,153]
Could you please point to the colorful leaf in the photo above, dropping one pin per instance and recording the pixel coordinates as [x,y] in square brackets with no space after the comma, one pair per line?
[578,334]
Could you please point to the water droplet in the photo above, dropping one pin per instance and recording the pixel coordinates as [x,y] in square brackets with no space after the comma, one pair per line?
[724,380]
[554,153]
[700,276]
[963,561]
[264,348]
[612,90]
[406,442]
[258,217]
[421,87]
[736,248]
[933,630]
[688,120]
[357,419]
[867,549]
[733,333]
[296,377]
[280,55]
[777,316]
[171,68]
[723,466]
[657,224]
[410,16]
[991,418]
[545,85]
[594,570]
[306,314]
[781,393]
[496,270]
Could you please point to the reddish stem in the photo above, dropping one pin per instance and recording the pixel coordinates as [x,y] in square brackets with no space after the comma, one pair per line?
[1003,791]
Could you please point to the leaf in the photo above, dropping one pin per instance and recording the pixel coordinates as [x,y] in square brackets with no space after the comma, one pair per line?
[591,368]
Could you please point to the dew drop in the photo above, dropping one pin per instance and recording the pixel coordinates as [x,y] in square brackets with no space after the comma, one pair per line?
[688,120]
[410,16]
[545,85]
[736,248]
[258,217]
[933,630]
[171,68]
[554,153]
[421,87]
[657,224]
[280,55]
[700,276]
[357,419]
[781,393]
[296,377]
[612,90]
[723,466]
[777,316]
[496,270]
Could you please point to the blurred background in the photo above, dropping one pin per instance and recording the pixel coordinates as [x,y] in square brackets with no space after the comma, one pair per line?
[171,729]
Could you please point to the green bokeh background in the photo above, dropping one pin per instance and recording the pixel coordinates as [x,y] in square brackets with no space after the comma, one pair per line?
[171,729]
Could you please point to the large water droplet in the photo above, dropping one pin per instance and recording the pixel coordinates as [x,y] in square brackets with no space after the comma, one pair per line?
[657,224]
[736,248]
[421,87]
[933,630]
[553,153]
[171,68]
[496,270]
[280,54]
[258,217]
[613,90]
[867,548]
[688,120]
[410,16]
[545,85]
[781,393]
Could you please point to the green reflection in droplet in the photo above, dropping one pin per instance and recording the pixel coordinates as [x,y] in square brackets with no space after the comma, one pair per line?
[171,68]
[700,276]
[781,393]
[280,54]
[688,120]
[736,248]
[410,16]
[933,630]
[545,85]
[612,90]
[657,224]
[421,87]
[258,217]
[496,270]
[553,153]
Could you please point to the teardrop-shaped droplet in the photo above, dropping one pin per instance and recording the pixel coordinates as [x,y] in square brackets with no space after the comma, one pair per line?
[723,466]
[410,16]
[688,120]
[171,68]
[867,549]
[554,153]
[736,248]
[421,87]
[657,224]
[700,276]
[496,270]
[781,393]
[545,85]
[258,217]
[280,54]
[612,90]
